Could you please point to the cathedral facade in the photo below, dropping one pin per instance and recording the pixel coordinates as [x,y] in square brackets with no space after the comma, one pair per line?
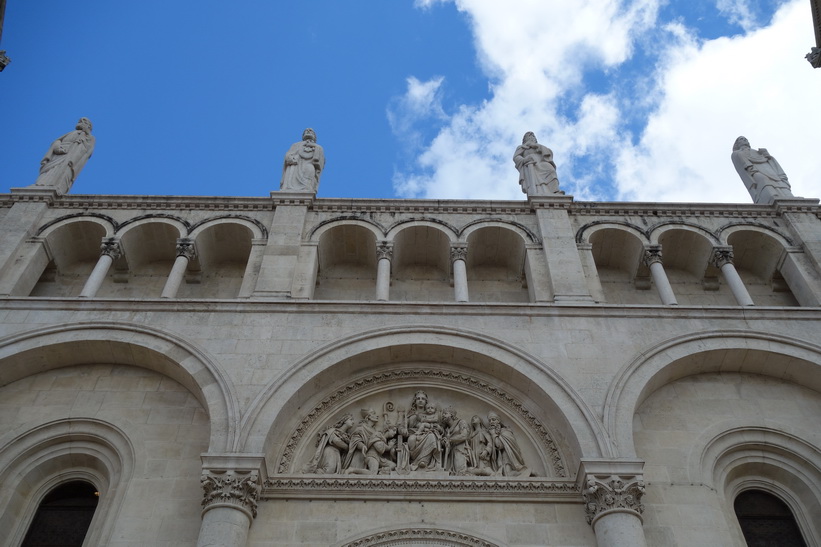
[302,371]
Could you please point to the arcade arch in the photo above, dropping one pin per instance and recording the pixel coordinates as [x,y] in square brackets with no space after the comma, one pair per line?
[347,263]
[496,264]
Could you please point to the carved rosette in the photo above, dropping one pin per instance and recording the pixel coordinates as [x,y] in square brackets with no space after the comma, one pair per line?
[612,493]
[384,249]
[722,256]
[231,488]
[111,247]
[459,252]
[652,255]
[185,247]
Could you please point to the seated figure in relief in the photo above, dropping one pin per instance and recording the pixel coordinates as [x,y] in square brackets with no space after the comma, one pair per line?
[424,434]
[330,447]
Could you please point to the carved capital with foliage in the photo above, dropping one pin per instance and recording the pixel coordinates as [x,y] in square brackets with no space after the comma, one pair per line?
[111,247]
[459,252]
[239,489]
[722,256]
[612,493]
[652,254]
[185,247]
[384,249]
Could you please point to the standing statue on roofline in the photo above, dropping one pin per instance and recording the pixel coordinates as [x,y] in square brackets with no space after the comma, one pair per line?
[66,157]
[537,171]
[760,173]
[303,165]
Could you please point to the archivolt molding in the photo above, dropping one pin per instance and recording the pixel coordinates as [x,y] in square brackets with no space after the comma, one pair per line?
[656,231]
[350,391]
[450,231]
[181,225]
[416,535]
[587,429]
[109,224]
[50,454]
[133,345]
[728,229]
[661,364]
[327,225]
[527,235]
[583,234]
[257,229]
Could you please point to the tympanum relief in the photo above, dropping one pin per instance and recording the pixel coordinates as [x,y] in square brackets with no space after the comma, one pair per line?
[423,437]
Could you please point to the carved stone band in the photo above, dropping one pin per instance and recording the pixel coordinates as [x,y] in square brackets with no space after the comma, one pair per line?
[613,493]
[231,488]
[111,247]
[185,247]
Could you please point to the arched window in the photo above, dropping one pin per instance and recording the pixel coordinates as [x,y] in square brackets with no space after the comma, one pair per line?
[64,515]
[766,521]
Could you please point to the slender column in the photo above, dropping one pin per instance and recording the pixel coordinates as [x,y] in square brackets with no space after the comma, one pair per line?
[185,253]
[110,250]
[229,506]
[652,258]
[612,494]
[459,255]
[384,255]
[723,259]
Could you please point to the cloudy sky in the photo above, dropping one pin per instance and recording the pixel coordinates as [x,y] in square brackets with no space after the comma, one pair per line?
[640,100]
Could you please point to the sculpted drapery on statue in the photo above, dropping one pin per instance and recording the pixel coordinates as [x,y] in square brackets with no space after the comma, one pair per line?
[66,157]
[422,439]
[303,165]
[760,172]
[537,171]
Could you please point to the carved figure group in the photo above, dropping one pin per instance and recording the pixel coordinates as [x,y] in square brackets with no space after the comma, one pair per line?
[760,173]
[303,164]
[424,438]
[537,171]
[66,157]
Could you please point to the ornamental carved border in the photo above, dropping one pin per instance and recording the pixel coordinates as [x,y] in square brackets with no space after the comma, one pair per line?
[350,390]
[410,536]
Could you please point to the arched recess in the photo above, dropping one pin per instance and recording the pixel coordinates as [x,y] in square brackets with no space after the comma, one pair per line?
[34,462]
[686,255]
[421,265]
[418,534]
[347,262]
[757,256]
[617,253]
[752,352]
[433,356]
[73,247]
[116,343]
[733,457]
[222,251]
[496,263]
[148,247]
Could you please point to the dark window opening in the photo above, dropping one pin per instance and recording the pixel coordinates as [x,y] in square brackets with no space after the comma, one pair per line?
[766,521]
[64,515]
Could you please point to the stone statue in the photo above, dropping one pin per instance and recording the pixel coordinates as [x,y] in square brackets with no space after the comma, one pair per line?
[330,446]
[760,173]
[303,165]
[537,172]
[424,434]
[66,158]
[506,456]
[455,441]
[480,446]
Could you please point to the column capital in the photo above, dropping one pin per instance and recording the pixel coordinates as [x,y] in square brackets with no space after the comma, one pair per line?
[185,247]
[722,255]
[232,480]
[111,247]
[652,254]
[458,251]
[612,487]
[384,249]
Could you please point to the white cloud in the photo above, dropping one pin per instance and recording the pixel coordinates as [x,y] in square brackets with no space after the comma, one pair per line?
[685,112]
[757,85]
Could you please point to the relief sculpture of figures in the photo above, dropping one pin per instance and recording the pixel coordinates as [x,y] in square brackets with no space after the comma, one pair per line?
[66,157]
[423,439]
[537,171]
[303,165]
[760,173]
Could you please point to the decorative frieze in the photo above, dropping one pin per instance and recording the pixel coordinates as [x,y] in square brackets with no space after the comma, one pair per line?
[423,536]
[232,488]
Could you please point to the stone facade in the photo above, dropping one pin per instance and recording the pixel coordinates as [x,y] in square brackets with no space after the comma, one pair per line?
[247,371]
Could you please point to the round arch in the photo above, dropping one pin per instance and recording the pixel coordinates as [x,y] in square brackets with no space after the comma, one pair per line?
[107,224]
[45,456]
[54,347]
[658,230]
[418,534]
[323,227]
[448,230]
[127,226]
[258,231]
[577,425]
[523,232]
[727,230]
[713,351]
[585,232]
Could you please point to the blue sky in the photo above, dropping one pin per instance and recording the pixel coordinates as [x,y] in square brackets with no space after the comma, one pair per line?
[639,100]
